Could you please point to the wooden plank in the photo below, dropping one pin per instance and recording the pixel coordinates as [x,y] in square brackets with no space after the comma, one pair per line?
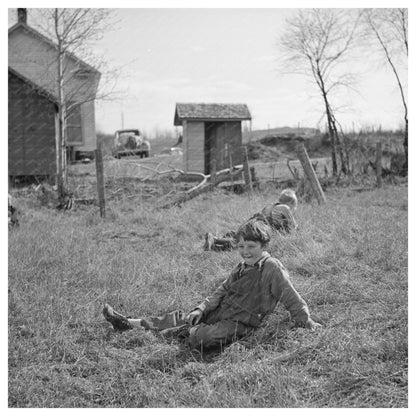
[310,173]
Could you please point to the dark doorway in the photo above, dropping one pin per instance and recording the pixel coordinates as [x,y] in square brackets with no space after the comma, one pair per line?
[222,144]
[211,146]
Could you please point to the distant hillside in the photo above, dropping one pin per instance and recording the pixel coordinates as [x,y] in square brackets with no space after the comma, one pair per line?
[277,143]
[278,131]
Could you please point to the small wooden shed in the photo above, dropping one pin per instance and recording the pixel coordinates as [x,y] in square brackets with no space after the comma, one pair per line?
[212,135]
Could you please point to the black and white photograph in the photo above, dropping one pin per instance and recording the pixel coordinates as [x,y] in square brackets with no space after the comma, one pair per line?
[208,206]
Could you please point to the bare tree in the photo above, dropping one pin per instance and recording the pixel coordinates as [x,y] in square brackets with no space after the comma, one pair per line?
[73,32]
[389,30]
[316,43]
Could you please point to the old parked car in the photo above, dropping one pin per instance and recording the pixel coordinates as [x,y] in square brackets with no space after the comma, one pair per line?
[129,142]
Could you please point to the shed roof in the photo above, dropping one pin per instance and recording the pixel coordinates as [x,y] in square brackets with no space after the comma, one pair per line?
[210,112]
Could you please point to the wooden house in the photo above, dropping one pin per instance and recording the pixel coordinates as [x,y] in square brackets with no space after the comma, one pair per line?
[212,135]
[33,66]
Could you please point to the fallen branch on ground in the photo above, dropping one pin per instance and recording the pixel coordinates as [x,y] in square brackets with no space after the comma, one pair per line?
[205,185]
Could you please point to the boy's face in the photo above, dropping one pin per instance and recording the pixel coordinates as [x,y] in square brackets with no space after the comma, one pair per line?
[250,251]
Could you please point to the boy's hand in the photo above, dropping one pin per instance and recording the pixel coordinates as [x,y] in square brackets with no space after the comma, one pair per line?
[312,325]
[194,317]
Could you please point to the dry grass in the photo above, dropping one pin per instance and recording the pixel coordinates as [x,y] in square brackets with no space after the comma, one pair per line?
[348,260]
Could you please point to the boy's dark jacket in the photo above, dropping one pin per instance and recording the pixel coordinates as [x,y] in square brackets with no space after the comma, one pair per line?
[251,292]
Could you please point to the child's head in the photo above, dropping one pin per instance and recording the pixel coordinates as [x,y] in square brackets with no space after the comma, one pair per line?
[254,230]
[288,197]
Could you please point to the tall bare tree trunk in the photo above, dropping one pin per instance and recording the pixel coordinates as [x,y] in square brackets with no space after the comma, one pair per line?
[340,148]
[62,174]
[60,136]
[385,28]
[71,30]
[406,134]
[338,145]
[333,151]
[331,136]
[316,42]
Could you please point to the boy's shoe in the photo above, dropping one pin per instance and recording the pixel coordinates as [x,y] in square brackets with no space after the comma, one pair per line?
[209,241]
[116,319]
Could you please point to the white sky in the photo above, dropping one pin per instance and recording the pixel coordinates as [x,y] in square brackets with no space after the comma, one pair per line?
[219,55]
[171,55]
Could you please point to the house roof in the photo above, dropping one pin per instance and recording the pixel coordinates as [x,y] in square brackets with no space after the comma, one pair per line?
[37,62]
[37,88]
[210,112]
[24,26]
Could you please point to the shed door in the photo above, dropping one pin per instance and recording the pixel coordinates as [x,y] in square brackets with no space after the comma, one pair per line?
[217,136]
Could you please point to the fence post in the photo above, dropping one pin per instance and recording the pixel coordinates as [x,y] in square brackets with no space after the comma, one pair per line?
[310,173]
[253,174]
[230,161]
[100,178]
[213,170]
[378,164]
[246,168]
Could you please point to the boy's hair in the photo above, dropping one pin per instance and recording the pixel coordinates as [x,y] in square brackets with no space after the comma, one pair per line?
[254,230]
[288,197]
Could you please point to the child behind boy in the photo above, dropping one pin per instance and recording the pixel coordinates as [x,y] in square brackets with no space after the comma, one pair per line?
[239,304]
[278,215]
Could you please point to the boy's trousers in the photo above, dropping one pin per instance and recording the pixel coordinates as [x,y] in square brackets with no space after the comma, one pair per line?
[207,334]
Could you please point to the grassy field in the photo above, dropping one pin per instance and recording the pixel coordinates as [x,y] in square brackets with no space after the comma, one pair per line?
[348,260]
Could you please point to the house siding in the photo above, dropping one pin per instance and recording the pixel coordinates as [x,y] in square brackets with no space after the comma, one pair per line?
[31,131]
[74,127]
[88,127]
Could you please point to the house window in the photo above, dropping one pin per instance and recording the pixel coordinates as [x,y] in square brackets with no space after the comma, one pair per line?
[74,127]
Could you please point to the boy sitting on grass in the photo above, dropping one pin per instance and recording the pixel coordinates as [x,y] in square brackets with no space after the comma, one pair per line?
[238,305]
[278,215]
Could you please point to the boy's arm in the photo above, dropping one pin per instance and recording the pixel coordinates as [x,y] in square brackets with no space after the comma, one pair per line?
[211,302]
[291,220]
[283,290]
[283,210]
